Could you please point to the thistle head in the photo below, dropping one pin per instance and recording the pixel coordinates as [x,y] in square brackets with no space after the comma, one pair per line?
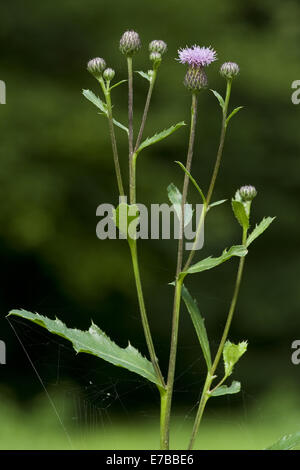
[108,74]
[247,193]
[229,70]
[197,56]
[96,66]
[130,43]
[195,79]
[158,46]
[155,57]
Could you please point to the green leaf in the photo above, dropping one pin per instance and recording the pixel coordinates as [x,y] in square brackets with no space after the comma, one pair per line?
[175,197]
[144,75]
[94,341]
[232,353]
[117,84]
[235,387]
[219,98]
[160,136]
[217,203]
[259,229]
[89,95]
[236,110]
[210,262]
[192,180]
[288,442]
[198,323]
[240,213]
[126,218]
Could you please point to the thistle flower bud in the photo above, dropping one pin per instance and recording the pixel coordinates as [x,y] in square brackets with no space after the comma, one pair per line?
[158,46]
[195,79]
[96,66]
[108,74]
[130,43]
[247,193]
[155,57]
[229,70]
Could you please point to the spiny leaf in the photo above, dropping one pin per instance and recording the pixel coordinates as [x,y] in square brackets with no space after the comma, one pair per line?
[89,95]
[236,110]
[235,387]
[219,98]
[175,197]
[192,180]
[288,442]
[160,136]
[95,342]
[232,353]
[240,213]
[259,229]
[210,262]
[144,75]
[198,323]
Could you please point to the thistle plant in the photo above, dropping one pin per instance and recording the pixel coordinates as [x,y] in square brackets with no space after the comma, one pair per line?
[94,341]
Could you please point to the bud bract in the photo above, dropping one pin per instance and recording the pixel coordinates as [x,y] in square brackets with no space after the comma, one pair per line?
[130,43]
[108,74]
[195,79]
[158,46]
[96,66]
[247,193]
[229,70]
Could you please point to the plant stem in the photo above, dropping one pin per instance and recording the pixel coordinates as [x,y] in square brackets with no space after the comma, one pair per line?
[149,341]
[146,109]
[178,285]
[210,375]
[214,175]
[113,140]
[130,123]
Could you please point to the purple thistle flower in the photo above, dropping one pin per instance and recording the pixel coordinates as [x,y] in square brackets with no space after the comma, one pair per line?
[197,56]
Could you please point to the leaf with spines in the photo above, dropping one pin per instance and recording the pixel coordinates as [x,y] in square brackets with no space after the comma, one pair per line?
[160,136]
[240,213]
[235,387]
[236,110]
[89,95]
[232,353]
[287,442]
[175,197]
[94,341]
[198,323]
[210,262]
[259,229]
[219,98]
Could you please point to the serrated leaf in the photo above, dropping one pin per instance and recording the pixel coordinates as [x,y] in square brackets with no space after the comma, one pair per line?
[94,341]
[144,75]
[236,110]
[217,203]
[126,218]
[259,229]
[89,95]
[219,98]
[192,180]
[235,387]
[160,136]
[198,323]
[232,353]
[287,442]
[210,262]
[240,213]
[175,197]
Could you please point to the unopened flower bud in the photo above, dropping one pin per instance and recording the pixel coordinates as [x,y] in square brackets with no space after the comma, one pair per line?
[96,66]
[108,74]
[229,70]
[158,46]
[195,79]
[130,43]
[155,57]
[247,193]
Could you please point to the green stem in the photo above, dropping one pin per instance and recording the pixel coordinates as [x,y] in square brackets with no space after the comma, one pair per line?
[149,341]
[113,139]
[210,375]
[130,123]
[146,109]
[178,285]
[214,175]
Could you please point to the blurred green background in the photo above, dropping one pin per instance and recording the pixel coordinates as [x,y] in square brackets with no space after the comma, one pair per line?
[56,168]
